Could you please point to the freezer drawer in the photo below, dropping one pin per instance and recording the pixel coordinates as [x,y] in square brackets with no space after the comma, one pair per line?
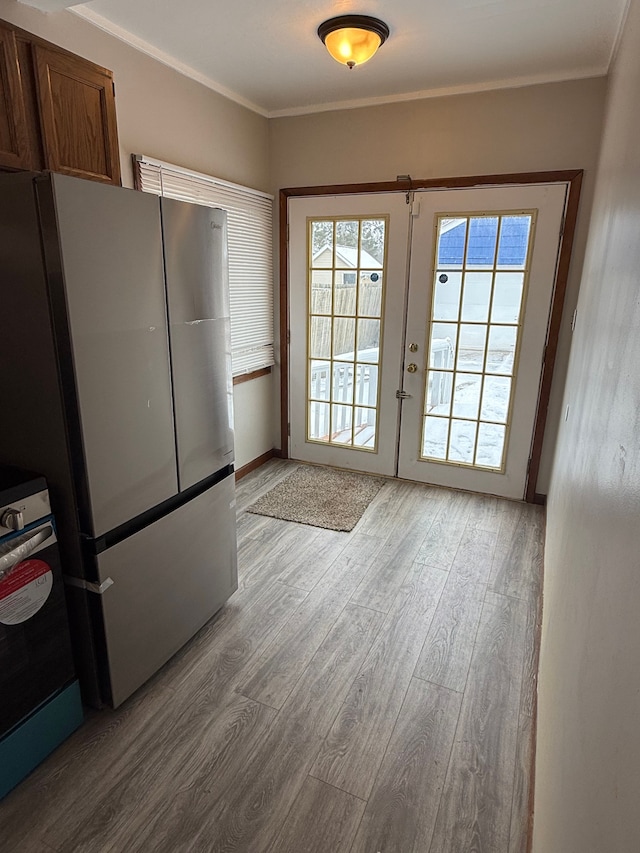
[169,579]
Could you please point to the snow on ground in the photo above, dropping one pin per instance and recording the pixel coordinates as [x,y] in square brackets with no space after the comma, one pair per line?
[467,403]
[469,400]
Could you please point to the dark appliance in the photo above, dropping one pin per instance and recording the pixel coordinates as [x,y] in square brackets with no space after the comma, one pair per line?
[39,695]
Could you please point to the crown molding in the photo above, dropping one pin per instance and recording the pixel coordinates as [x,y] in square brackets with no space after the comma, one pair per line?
[165,58]
[491,86]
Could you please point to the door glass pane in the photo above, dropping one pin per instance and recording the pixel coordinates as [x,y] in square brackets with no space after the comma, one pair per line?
[321,291]
[369,340]
[320,380]
[342,383]
[344,292]
[513,245]
[341,424]
[490,445]
[366,384]
[434,439]
[477,296]
[462,442]
[346,298]
[452,237]
[320,344]
[321,248]
[318,426]
[481,245]
[502,348]
[347,233]
[476,319]
[495,398]
[446,304]
[372,244]
[439,392]
[370,298]
[466,395]
[471,347]
[364,431]
[443,345]
[344,338]
[507,297]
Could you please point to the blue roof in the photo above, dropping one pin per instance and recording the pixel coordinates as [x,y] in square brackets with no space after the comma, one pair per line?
[483,230]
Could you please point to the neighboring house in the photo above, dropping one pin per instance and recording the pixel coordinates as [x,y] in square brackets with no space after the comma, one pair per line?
[346,256]
[512,248]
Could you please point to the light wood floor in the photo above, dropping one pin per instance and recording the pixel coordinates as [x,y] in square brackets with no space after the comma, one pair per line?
[361,692]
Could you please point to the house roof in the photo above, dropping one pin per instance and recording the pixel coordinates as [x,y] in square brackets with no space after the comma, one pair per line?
[349,256]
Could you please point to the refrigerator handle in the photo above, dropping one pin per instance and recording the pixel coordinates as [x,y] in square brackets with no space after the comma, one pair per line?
[27,545]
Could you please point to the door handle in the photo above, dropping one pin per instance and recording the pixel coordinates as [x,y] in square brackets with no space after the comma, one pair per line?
[412,368]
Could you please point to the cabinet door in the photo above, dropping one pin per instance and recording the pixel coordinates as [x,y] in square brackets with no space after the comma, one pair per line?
[78,116]
[14,146]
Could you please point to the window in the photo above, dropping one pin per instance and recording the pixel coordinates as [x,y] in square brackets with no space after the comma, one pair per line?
[344,331]
[481,271]
[250,230]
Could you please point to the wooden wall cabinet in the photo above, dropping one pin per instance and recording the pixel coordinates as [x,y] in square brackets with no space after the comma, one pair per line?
[14,144]
[57,110]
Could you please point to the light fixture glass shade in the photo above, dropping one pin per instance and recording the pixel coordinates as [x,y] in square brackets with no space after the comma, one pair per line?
[353,39]
[351,46]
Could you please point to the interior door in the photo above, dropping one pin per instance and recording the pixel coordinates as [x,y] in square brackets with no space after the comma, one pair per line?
[347,264]
[483,266]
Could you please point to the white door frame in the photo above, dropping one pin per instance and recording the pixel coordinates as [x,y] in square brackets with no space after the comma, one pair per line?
[571,177]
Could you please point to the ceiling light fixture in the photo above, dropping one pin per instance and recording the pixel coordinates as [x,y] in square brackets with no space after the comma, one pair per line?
[353,39]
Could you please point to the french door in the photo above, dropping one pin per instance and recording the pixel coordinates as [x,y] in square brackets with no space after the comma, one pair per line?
[417,331]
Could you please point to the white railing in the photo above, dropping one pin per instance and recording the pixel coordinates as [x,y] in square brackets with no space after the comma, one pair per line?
[346,396]
[360,397]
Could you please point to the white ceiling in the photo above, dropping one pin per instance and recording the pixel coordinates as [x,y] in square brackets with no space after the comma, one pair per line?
[266,54]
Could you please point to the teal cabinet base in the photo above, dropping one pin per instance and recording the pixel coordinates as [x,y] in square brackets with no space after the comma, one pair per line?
[37,735]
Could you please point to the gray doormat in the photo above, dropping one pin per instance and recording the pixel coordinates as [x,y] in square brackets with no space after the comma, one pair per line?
[321,497]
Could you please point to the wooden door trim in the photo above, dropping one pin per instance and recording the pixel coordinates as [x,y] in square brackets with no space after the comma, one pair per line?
[572,177]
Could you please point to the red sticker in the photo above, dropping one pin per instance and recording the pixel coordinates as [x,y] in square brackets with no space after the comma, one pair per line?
[24,591]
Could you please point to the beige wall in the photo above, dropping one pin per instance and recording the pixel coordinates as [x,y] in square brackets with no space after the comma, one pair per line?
[164,114]
[588,764]
[555,126]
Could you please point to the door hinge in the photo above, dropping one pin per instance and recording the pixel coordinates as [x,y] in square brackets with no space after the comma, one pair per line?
[528,466]
[288,336]
[113,84]
[564,219]
[287,232]
[289,429]
[544,355]
[403,395]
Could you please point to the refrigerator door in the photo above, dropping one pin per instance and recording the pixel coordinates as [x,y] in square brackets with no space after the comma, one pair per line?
[111,267]
[168,580]
[195,248]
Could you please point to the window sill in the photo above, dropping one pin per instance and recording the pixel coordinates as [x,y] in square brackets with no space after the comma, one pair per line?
[255,374]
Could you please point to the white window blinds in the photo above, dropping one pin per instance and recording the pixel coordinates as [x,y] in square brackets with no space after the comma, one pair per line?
[250,229]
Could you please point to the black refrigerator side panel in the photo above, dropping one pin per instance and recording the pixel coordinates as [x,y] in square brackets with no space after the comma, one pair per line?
[33,428]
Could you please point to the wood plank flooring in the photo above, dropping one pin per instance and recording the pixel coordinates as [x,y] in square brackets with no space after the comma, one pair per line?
[363,692]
